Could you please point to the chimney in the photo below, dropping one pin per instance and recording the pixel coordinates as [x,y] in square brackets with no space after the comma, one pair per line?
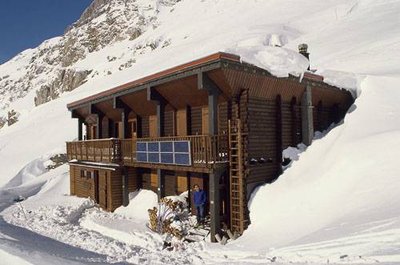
[303,50]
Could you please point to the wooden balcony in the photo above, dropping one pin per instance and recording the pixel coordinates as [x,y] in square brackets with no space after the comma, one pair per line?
[206,152]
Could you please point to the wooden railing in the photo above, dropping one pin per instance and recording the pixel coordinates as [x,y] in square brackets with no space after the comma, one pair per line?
[101,150]
[206,150]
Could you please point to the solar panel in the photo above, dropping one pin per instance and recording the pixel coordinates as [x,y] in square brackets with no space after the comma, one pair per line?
[165,152]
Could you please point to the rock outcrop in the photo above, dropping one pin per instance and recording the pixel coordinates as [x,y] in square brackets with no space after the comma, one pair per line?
[50,69]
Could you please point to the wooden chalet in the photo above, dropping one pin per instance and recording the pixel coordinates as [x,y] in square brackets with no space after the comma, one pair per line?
[217,122]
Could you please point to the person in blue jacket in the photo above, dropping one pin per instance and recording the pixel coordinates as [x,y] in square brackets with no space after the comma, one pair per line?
[199,199]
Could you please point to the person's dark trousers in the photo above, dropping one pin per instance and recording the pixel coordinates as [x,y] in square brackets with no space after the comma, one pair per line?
[200,213]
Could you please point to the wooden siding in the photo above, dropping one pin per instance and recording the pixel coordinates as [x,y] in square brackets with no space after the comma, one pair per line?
[204,120]
[134,182]
[153,126]
[262,139]
[104,186]
[169,120]
[196,121]
[262,86]
[145,127]
[171,188]
[181,122]
[149,179]
[223,117]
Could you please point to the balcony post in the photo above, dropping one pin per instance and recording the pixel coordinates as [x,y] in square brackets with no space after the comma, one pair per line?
[125,110]
[99,126]
[125,127]
[153,95]
[125,191]
[111,128]
[81,121]
[100,115]
[215,222]
[80,125]
[204,82]
[307,116]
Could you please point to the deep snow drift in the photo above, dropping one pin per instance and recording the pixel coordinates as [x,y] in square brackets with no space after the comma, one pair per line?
[337,203]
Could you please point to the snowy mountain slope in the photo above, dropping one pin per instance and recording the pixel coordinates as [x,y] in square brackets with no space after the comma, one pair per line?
[43,73]
[340,197]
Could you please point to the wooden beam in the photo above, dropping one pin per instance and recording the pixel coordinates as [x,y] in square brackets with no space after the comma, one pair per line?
[215,222]
[124,121]
[75,115]
[161,183]
[307,125]
[99,123]
[279,132]
[80,125]
[157,82]
[120,104]
[125,184]
[205,83]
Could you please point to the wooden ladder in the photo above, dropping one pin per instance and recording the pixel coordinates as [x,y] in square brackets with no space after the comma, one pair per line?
[237,177]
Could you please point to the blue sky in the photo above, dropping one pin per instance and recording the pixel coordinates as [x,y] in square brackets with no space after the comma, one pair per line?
[27,23]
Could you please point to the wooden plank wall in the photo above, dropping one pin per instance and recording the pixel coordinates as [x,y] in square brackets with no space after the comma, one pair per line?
[134,182]
[262,139]
[196,121]
[109,190]
[169,120]
[114,191]
[171,187]
[148,179]
[223,117]
[81,186]
[145,127]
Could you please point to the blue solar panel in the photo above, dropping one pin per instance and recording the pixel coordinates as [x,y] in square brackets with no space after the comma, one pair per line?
[181,146]
[141,146]
[141,157]
[153,147]
[182,159]
[167,158]
[154,157]
[166,152]
[166,146]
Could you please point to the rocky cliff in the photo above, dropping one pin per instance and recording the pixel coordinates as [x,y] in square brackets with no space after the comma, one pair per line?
[60,64]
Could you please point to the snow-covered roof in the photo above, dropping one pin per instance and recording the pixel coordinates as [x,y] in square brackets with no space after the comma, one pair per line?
[145,81]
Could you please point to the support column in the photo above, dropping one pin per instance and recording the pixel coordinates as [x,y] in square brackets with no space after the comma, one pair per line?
[213,112]
[307,117]
[111,128]
[124,122]
[160,118]
[80,123]
[215,222]
[99,126]
[205,83]
[153,95]
[87,131]
[139,129]
[125,191]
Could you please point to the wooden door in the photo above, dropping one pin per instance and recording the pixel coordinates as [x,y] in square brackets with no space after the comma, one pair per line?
[153,125]
[182,182]
[181,122]
[204,120]
[103,185]
[154,180]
